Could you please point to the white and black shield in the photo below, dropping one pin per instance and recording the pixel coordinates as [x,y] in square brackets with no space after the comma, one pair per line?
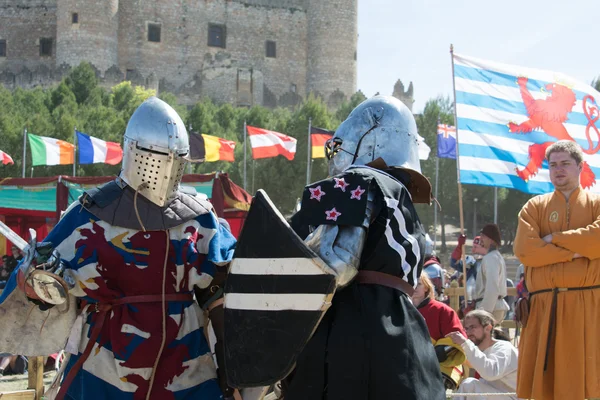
[276,293]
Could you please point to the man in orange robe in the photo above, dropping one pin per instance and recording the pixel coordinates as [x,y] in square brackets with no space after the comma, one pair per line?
[558,241]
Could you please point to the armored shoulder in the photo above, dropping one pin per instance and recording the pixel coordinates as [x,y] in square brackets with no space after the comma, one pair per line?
[340,200]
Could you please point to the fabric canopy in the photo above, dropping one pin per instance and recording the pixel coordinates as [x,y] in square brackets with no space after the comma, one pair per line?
[37,202]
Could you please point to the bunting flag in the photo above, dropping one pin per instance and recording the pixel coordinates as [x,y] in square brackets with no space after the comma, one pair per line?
[266,144]
[509,115]
[218,149]
[93,150]
[318,137]
[6,159]
[446,141]
[50,151]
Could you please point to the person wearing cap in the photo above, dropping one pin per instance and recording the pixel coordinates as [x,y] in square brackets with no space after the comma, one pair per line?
[490,283]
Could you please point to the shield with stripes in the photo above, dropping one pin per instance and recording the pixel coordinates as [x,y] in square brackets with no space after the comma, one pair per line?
[276,293]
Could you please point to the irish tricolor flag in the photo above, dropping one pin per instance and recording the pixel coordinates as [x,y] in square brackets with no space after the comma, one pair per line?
[93,150]
[50,151]
[266,144]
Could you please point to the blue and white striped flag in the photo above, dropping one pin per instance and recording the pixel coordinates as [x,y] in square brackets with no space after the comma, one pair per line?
[509,115]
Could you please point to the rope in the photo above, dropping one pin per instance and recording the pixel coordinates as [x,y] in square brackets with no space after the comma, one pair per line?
[479,394]
[144,185]
[164,316]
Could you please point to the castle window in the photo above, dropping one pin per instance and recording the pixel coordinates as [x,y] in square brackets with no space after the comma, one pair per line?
[293,88]
[271,49]
[45,47]
[153,32]
[216,35]
[3,48]
[75,18]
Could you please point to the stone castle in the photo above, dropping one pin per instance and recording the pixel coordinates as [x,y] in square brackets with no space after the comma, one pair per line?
[243,52]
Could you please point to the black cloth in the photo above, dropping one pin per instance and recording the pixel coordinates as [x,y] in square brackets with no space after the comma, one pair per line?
[372,343]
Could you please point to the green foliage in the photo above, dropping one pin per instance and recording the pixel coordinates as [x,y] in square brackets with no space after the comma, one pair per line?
[78,102]
[82,81]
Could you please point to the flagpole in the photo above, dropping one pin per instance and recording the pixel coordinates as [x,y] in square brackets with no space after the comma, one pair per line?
[435,209]
[245,134]
[24,151]
[189,163]
[308,153]
[253,162]
[460,199]
[75,151]
[495,205]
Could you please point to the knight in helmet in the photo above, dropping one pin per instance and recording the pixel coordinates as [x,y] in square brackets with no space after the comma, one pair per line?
[133,251]
[371,343]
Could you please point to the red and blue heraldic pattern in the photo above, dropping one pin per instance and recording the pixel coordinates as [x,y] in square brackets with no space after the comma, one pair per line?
[110,262]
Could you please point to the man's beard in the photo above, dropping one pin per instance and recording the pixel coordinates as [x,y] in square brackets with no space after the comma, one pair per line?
[477,341]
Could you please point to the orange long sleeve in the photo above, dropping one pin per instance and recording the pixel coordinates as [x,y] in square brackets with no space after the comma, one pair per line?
[529,247]
[583,240]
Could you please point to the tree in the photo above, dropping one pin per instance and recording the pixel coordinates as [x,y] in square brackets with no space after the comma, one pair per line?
[82,80]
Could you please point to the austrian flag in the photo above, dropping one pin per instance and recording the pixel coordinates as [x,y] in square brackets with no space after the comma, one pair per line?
[267,144]
[5,158]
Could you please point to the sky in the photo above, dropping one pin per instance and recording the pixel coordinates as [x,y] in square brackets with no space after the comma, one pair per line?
[410,40]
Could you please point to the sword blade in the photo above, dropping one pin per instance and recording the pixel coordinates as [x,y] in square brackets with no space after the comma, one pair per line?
[13,237]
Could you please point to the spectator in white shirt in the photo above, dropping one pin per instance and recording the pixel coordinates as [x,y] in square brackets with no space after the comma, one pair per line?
[494,360]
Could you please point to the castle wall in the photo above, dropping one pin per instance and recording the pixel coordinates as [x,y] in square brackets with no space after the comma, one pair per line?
[183,59]
[22,24]
[93,38]
[113,36]
[332,45]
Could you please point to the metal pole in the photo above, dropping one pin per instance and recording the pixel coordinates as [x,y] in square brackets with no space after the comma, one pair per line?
[435,209]
[460,199]
[253,162]
[75,151]
[245,181]
[189,166]
[475,216]
[495,205]
[308,153]
[24,151]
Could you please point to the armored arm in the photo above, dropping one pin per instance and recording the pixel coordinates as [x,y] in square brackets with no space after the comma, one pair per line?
[341,246]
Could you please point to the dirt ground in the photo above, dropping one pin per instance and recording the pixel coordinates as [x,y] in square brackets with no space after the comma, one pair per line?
[13,383]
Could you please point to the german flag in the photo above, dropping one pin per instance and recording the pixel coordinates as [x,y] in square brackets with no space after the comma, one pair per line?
[318,137]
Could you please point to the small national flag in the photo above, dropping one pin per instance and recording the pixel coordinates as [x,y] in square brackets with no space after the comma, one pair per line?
[446,140]
[318,137]
[266,144]
[50,151]
[424,150]
[218,149]
[93,150]
[6,159]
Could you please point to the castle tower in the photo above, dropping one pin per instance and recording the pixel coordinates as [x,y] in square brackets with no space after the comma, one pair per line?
[407,97]
[332,35]
[87,31]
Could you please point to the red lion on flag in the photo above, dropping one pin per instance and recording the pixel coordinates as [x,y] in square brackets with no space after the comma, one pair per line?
[550,114]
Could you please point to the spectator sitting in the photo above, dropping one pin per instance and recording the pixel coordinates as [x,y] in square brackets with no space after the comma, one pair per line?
[494,360]
[440,320]
[13,365]
[16,253]
[9,263]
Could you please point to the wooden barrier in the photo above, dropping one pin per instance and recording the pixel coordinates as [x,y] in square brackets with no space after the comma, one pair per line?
[20,395]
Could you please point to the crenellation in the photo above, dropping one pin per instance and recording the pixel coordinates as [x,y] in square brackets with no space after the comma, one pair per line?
[165,45]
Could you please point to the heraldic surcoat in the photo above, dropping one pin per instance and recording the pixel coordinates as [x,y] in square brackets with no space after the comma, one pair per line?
[111,262]
[372,343]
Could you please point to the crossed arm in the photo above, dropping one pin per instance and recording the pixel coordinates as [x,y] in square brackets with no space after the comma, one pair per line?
[530,248]
[535,251]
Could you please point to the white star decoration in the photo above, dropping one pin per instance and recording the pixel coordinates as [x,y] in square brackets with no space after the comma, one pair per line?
[340,183]
[357,193]
[316,193]
[332,215]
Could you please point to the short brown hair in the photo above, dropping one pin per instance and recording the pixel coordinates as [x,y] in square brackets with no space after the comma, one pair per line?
[429,288]
[566,146]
